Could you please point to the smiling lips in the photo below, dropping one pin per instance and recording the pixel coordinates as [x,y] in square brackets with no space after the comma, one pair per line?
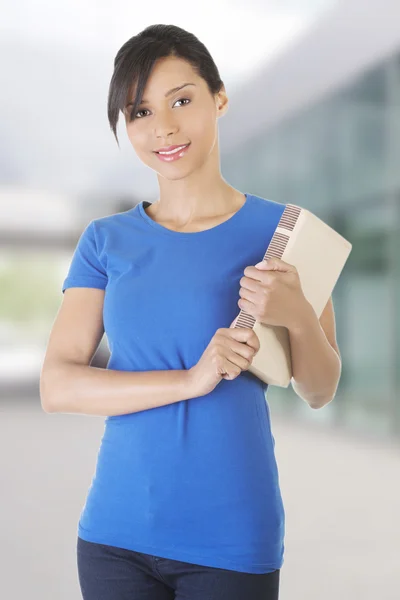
[173,154]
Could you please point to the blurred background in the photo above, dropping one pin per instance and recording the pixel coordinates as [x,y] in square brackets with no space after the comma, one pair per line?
[314,120]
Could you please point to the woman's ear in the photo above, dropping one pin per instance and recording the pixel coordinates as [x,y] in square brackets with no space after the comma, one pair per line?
[222,101]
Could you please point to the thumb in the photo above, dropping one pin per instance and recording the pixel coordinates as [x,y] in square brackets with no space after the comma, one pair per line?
[274,264]
[266,263]
[233,322]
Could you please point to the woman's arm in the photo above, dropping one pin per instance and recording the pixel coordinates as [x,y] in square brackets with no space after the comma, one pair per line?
[74,388]
[316,361]
[69,384]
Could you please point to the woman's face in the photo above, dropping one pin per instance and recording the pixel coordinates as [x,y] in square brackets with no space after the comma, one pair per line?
[186,116]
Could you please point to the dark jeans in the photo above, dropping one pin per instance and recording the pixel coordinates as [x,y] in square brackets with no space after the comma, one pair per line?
[111,573]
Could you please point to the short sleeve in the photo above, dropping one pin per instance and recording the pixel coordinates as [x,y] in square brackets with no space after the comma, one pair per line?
[85,269]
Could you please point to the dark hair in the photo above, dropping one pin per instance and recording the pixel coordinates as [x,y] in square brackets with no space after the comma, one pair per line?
[136,58]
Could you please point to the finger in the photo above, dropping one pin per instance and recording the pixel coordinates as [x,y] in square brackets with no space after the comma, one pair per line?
[254,342]
[231,369]
[243,335]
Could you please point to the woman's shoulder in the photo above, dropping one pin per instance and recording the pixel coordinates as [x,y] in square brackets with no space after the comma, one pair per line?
[267,203]
[266,209]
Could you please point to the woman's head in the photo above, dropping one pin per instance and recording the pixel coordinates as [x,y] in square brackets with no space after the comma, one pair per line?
[146,67]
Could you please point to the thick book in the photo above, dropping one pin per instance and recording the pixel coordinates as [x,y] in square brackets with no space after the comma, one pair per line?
[319,254]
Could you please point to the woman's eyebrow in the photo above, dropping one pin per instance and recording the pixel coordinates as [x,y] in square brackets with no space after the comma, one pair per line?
[172,91]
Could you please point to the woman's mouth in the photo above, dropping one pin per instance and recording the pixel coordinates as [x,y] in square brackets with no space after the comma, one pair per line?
[175,155]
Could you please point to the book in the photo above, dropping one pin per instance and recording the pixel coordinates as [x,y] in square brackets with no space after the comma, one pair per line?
[319,254]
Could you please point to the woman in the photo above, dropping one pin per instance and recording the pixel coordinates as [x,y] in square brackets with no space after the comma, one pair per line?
[185,502]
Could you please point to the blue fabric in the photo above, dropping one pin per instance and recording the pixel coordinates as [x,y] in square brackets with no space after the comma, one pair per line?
[195,480]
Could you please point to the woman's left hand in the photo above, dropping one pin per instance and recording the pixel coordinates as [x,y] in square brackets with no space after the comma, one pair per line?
[271,292]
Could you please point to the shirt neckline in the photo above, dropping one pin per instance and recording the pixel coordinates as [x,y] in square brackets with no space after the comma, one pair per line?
[191,234]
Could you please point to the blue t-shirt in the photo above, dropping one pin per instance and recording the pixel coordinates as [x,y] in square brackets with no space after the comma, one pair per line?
[195,480]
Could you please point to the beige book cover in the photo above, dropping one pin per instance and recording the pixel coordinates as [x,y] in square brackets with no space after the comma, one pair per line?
[319,253]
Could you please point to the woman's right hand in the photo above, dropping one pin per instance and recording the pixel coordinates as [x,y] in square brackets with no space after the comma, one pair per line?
[230,351]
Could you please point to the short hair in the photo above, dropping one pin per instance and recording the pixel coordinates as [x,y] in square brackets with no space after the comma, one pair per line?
[136,58]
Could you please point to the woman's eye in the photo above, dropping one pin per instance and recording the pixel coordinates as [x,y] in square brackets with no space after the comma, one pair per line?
[145,109]
[180,99]
[140,111]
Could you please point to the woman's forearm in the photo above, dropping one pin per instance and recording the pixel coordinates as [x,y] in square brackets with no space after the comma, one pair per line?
[82,389]
[315,364]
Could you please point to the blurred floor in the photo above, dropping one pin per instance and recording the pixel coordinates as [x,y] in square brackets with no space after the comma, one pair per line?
[341,496]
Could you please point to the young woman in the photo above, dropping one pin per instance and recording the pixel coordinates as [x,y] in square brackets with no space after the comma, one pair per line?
[185,502]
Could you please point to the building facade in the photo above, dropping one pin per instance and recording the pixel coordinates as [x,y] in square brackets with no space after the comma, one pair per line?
[327,138]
